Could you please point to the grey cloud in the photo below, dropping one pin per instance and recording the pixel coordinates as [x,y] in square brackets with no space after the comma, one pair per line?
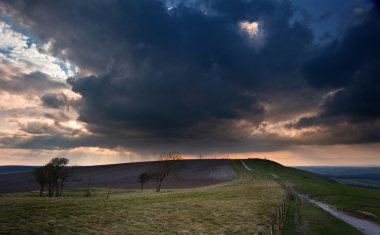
[32,83]
[38,128]
[54,100]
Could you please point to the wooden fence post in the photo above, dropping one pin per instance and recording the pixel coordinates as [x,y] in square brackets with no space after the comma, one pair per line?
[277,221]
[272,226]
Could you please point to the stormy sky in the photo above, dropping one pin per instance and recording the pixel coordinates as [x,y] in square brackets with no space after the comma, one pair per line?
[116,81]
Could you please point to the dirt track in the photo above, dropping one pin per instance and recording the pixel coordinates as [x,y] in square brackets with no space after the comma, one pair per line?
[365,226]
[194,173]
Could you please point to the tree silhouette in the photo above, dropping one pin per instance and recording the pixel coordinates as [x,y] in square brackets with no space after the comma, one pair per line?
[53,176]
[143,178]
[165,165]
[40,178]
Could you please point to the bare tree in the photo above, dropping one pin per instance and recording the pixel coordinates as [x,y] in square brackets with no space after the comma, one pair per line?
[165,165]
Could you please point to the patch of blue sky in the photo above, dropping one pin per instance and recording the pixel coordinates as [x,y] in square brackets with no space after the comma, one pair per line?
[20,29]
[5,51]
[32,53]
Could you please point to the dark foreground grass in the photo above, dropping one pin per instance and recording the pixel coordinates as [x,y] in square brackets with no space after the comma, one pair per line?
[321,222]
[238,207]
[360,202]
[303,218]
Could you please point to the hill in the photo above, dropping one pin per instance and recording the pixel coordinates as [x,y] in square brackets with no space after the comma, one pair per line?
[240,206]
[193,173]
[360,202]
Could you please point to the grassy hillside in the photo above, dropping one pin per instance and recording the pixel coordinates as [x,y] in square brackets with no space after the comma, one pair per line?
[357,201]
[236,207]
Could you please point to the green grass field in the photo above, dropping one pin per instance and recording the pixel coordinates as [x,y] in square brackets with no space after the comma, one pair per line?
[364,183]
[310,219]
[238,207]
[359,202]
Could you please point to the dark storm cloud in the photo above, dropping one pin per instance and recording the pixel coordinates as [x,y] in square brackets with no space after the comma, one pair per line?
[356,103]
[337,63]
[54,100]
[353,65]
[352,115]
[189,74]
[325,15]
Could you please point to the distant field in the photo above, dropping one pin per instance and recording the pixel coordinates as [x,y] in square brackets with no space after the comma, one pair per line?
[15,169]
[236,207]
[362,183]
[366,177]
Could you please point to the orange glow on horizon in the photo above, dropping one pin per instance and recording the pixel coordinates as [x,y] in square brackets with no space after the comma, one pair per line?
[338,155]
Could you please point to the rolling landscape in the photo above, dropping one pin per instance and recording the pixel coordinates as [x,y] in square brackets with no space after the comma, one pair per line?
[190,117]
[205,196]
[366,177]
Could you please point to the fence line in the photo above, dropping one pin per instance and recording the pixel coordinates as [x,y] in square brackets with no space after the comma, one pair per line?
[277,220]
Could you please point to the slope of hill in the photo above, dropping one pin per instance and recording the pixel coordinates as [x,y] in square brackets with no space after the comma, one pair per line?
[193,173]
[360,202]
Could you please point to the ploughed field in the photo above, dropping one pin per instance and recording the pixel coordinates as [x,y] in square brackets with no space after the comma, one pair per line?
[193,173]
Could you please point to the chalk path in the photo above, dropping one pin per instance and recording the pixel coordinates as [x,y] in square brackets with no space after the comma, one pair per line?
[245,166]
